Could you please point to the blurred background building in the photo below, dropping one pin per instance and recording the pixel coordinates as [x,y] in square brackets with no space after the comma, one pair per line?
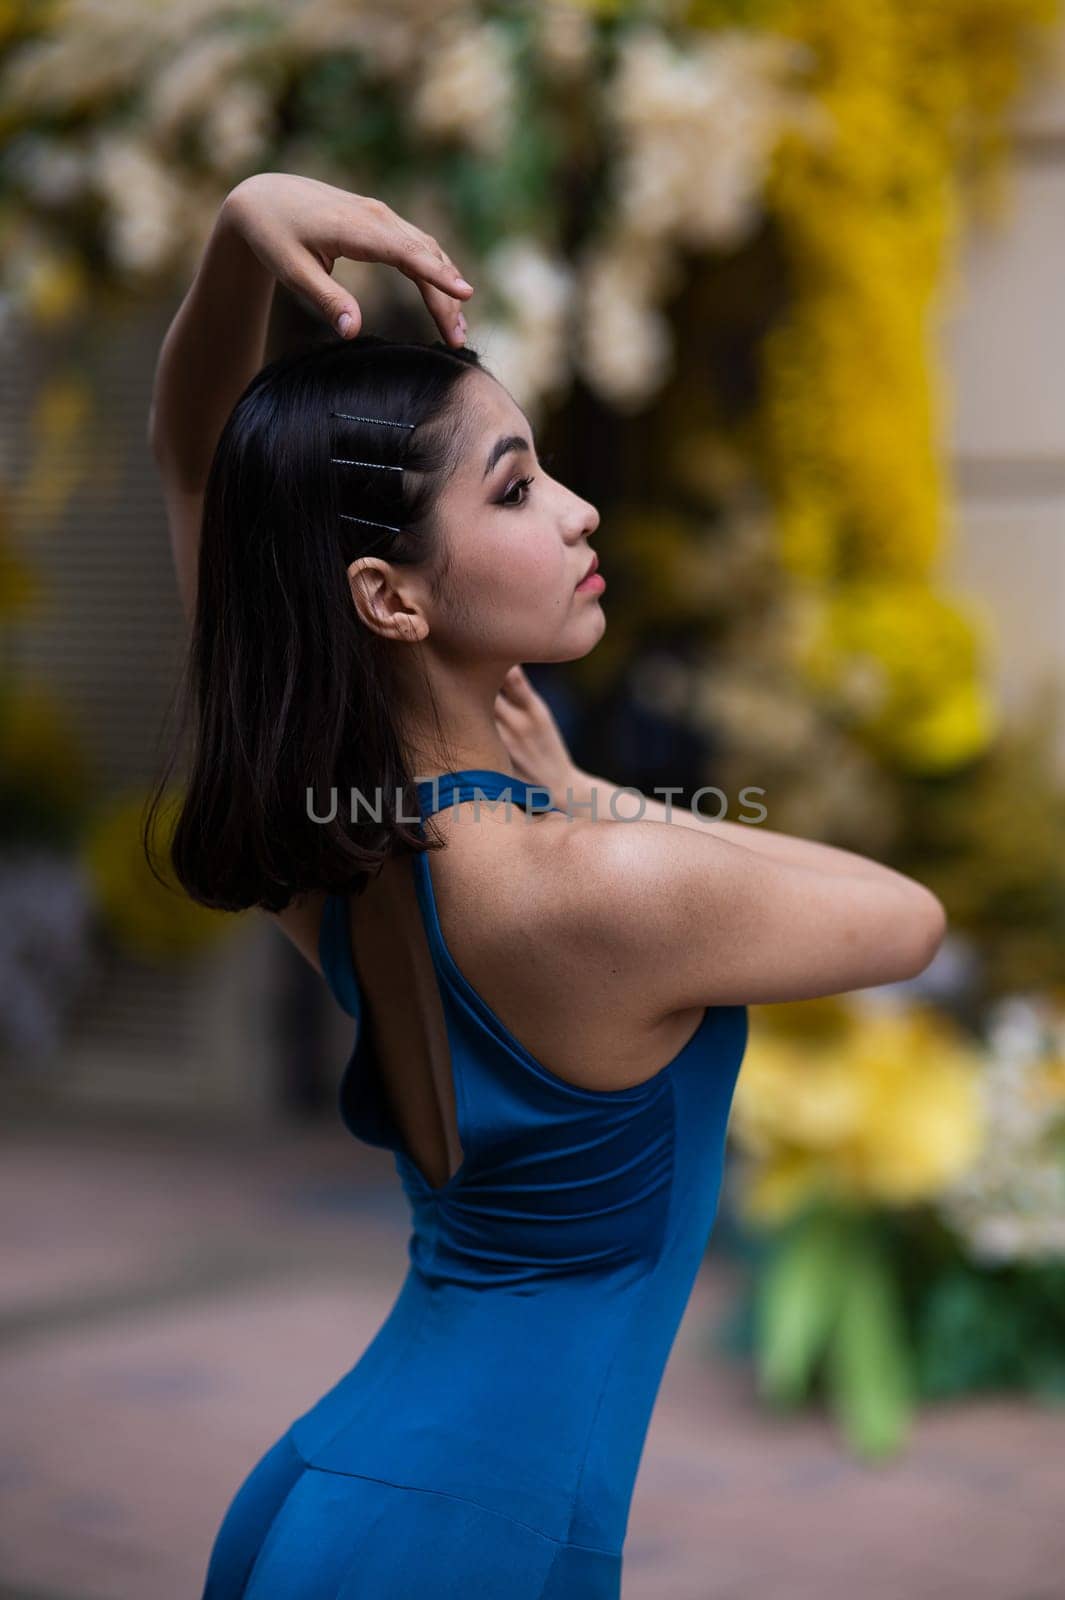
[1004,352]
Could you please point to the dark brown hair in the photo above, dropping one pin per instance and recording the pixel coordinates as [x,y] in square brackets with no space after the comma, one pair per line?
[286,691]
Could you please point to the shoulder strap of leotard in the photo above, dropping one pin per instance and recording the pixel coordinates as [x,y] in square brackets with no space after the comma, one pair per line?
[449,788]
[472,783]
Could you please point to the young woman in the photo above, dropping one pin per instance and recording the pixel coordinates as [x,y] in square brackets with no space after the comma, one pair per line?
[550,1000]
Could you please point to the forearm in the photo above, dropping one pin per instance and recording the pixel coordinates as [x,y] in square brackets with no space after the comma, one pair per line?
[752,836]
[213,348]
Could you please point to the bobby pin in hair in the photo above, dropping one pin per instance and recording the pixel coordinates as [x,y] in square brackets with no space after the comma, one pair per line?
[349,518]
[387,421]
[385,466]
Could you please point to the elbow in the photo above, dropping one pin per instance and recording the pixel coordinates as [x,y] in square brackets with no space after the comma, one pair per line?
[930,929]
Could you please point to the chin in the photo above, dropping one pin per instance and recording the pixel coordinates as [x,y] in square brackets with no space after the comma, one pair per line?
[584,639]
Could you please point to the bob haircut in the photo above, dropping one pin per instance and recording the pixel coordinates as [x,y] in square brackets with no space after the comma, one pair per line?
[288,694]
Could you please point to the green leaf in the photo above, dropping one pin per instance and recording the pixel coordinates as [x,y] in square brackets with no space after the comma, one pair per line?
[797,1304]
[868,1369]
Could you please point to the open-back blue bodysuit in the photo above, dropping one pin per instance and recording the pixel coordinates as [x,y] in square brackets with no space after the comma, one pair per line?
[487,1440]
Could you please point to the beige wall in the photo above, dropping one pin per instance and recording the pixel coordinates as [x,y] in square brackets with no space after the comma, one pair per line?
[1004,347]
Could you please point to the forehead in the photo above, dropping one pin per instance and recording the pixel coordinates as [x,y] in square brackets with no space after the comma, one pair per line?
[491,411]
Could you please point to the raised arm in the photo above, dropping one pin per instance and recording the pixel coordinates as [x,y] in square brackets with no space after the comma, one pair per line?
[273,227]
[211,351]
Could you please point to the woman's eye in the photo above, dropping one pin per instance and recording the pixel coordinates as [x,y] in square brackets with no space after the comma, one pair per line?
[521,483]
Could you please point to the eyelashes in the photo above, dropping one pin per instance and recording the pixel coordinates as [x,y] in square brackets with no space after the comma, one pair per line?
[523,483]
[519,483]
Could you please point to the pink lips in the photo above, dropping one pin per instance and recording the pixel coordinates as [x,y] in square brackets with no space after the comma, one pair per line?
[591,579]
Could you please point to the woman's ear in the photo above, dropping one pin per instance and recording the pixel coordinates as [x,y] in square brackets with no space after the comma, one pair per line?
[380,605]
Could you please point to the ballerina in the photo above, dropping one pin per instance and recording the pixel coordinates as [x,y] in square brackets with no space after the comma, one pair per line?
[550,1001]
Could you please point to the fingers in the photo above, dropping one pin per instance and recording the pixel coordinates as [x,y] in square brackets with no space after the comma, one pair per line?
[445,312]
[506,706]
[419,256]
[444,308]
[517,689]
[299,235]
[439,281]
[507,689]
[372,231]
[309,280]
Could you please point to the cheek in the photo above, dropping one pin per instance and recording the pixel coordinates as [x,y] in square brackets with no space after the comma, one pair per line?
[529,573]
[521,570]
[506,590]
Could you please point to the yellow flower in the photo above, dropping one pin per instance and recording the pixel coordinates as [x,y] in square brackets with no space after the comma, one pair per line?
[903,663]
[55,290]
[62,411]
[886,1113]
[38,746]
[851,427]
[153,921]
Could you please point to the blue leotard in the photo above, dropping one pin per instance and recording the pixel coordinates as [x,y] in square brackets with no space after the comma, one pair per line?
[487,1440]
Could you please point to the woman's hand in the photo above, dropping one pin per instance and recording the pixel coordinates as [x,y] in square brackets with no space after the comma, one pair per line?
[298,227]
[534,740]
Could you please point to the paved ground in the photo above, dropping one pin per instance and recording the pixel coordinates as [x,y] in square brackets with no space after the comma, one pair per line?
[169,1302]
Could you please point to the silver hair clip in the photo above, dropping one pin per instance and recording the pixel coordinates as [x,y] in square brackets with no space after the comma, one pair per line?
[349,518]
[386,421]
[345,461]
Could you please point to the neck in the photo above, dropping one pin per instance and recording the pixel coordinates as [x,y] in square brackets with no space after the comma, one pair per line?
[463,732]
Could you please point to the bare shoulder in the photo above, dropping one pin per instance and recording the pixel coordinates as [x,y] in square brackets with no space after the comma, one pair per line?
[605,866]
[523,913]
[606,877]
[705,921]
[588,896]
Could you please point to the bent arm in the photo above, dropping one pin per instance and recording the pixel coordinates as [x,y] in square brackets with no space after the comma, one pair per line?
[213,348]
[705,922]
[211,351]
[589,790]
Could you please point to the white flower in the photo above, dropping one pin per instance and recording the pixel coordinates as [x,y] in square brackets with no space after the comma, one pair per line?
[237,127]
[538,287]
[76,65]
[467,88]
[105,47]
[624,343]
[190,83]
[391,40]
[52,172]
[1011,1204]
[566,36]
[387,40]
[530,354]
[144,203]
[696,128]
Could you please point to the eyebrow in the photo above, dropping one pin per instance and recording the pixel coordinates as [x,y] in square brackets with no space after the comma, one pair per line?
[502,446]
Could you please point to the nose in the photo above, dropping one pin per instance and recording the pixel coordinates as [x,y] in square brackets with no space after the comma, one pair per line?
[588,522]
